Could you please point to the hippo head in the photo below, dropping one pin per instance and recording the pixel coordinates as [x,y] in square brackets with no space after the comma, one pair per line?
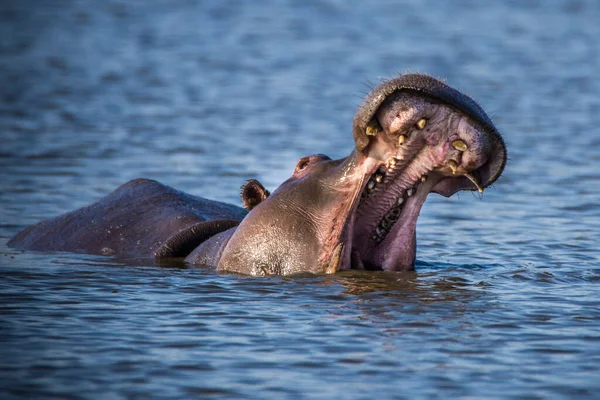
[414,135]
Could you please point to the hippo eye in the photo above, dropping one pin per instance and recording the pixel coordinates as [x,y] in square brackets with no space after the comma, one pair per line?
[422,123]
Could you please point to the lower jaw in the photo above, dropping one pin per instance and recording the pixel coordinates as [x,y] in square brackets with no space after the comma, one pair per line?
[397,251]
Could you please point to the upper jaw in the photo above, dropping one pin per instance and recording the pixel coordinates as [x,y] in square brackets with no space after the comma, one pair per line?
[427,87]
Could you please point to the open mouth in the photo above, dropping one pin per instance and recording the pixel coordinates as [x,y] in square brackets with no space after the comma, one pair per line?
[384,228]
[414,135]
[410,145]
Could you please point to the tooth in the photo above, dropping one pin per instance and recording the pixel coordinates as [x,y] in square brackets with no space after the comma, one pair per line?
[459,145]
[378,230]
[472,179]
[423,178]
[400,200]
[372,128]
[453,165]
[378,178]
[391,161]
[410,192]
[370,185]
[401,139]
[421,124]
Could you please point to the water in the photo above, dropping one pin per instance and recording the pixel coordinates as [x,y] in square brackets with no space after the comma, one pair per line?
[204,95]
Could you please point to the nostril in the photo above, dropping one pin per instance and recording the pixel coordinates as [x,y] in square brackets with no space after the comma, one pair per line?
[310,161]
[303,163]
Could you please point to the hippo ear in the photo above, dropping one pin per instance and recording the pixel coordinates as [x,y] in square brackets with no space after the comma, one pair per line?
[186,240]
[253,193]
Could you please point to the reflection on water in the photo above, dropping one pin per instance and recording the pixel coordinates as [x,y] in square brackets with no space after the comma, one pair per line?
[204,95]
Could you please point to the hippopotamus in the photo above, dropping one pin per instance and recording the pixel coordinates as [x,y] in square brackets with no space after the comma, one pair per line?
[413,135]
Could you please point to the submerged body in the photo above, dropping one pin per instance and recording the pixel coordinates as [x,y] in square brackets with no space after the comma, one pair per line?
[414,135]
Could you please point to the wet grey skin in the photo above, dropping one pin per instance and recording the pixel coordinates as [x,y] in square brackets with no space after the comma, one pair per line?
[413,135]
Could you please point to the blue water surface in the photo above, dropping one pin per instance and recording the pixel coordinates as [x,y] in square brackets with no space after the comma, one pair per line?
[202,95]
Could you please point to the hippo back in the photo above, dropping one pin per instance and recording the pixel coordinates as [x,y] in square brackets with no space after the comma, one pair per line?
[141,218]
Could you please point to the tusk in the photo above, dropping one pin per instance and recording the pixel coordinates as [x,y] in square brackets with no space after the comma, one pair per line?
[334,263]
[472,179]
[401,139]
[373,128]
